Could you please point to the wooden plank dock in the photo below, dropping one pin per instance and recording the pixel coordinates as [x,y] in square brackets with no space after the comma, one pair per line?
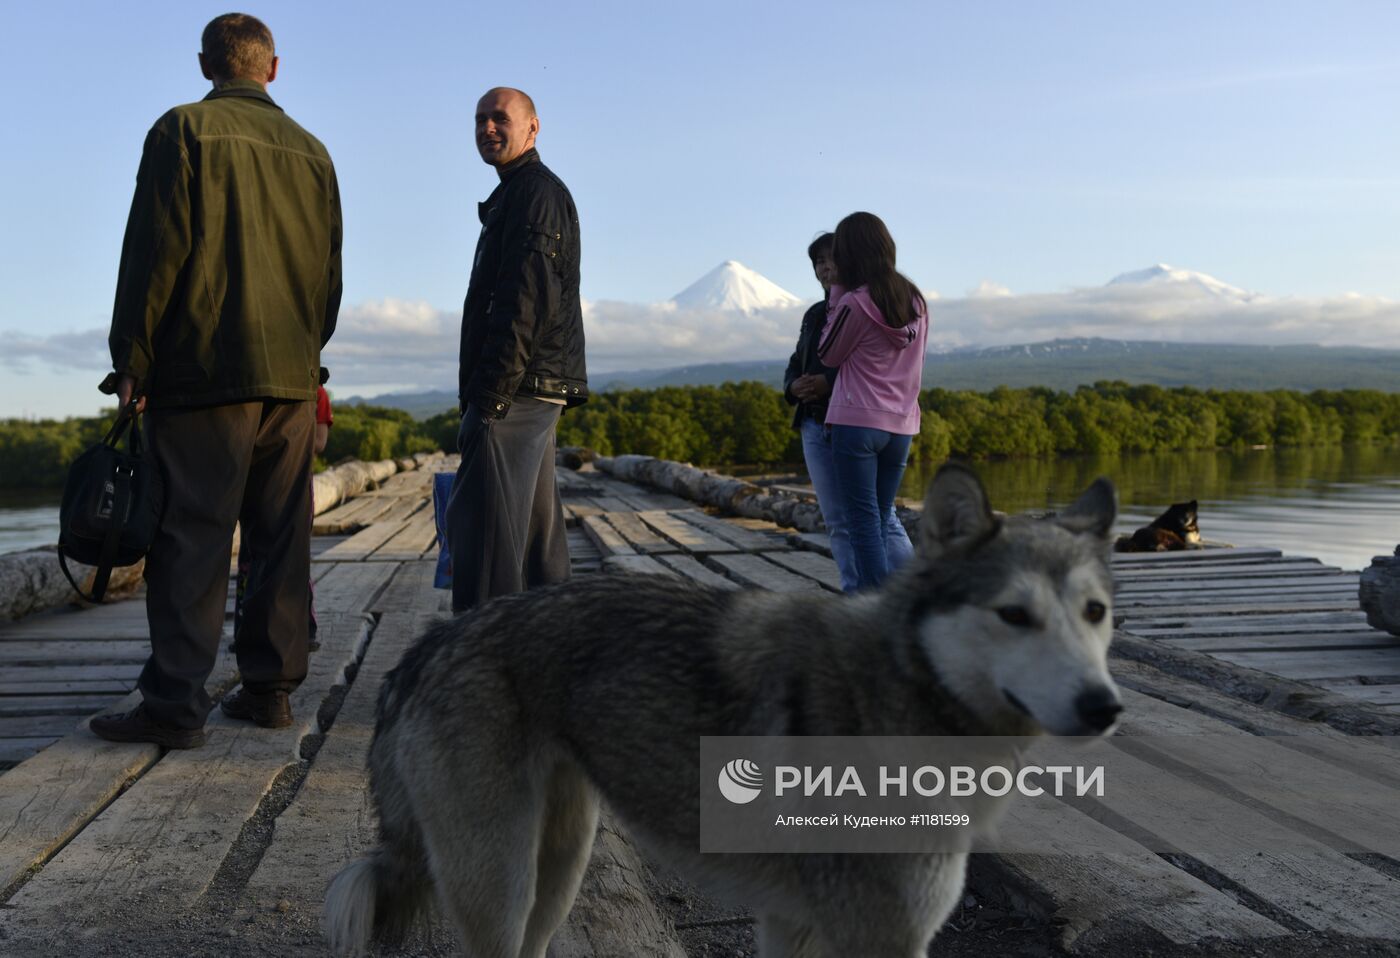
[105,848]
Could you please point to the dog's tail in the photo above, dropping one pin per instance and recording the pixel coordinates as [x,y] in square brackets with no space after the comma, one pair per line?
[378,898]
[382,896]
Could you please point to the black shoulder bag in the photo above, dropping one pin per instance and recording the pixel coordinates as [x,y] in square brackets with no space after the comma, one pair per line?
[112,502]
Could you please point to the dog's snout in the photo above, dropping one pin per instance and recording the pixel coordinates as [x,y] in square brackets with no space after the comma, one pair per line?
[1098,708]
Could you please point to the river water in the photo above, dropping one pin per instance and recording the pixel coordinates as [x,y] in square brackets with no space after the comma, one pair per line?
[1340,505]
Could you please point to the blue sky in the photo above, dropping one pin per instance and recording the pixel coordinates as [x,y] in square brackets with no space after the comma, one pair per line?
[1039,148]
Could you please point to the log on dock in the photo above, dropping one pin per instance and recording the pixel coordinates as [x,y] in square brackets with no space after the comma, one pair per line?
[735,496]
[1379,593]
[33,581]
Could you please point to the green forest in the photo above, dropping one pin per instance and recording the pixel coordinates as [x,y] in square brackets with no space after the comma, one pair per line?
[750,423]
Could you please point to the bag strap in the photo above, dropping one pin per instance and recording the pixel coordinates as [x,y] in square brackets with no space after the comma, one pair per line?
[125,416]
[110,543]
[121,505]
[68,574]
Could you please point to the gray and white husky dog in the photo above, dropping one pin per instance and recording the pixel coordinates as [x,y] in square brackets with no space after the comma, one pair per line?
[501,729]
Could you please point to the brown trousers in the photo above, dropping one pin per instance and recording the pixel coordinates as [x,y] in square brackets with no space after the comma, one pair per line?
[244,462]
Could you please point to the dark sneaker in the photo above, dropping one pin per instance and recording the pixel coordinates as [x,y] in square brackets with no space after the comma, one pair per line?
[138,726]
[267,709]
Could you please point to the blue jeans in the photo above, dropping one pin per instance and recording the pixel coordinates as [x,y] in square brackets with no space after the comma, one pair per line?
[869,463]
[816,449]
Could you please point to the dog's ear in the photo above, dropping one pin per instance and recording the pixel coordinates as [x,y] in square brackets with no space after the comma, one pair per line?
[1094,511]
[956,512]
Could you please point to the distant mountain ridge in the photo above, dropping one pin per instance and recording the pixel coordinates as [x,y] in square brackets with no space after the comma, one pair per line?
[1056,364]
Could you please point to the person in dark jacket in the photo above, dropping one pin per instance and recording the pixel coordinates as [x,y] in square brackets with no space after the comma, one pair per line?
[522,364]
[228,287]
[807,386]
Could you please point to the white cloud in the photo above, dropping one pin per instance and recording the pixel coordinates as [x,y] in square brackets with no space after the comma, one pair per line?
[396,344]
[1167,312]
[81,349]
[633,335]
[988,290]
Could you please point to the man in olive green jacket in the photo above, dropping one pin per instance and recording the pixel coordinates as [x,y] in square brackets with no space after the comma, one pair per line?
[228,287]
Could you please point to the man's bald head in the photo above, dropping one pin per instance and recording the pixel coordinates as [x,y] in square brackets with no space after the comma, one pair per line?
[510,91]
[506,125]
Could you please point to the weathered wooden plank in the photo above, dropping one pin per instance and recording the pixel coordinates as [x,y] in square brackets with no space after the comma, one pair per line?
[46,799]
[352,516]
[79,625]
[576,510]
[363,543]
[1320,665]
[608,540]
[16,750]
[758,573]
[14,706]
[1292,641]
[656,501]
[1230,584]
[613,504]
[404,508]
[1386,695]
[746,540]
[35,726]
[418,536]
[1094,882]
[687,536]
[693,570]
[163,839]
[636,565]
[813,566]
[331,821]
[1264,605]
[1233,554]
[641,537]
[814,541]
[353,586]
[110,687]
[1296,874]
[78,631]
[411,590]
[1212,624]
[614,914]
[1195,573]
[45,652]
[121,672]
[1204,598]
[1322,800]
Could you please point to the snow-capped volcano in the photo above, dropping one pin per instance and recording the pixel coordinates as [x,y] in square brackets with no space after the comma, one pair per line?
[1164,275]
[733,287]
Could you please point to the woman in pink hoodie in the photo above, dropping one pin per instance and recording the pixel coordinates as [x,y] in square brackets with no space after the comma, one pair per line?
[875,334]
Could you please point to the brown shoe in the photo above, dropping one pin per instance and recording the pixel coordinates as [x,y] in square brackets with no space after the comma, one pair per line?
[138,726]
[267,709]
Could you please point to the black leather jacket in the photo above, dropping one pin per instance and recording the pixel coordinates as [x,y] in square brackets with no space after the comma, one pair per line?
[804,361]
[522,325]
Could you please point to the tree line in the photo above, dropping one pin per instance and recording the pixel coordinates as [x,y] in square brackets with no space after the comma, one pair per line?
[35,454]
[750,423]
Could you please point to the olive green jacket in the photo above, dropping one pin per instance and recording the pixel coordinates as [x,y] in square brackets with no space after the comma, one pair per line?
[229,282]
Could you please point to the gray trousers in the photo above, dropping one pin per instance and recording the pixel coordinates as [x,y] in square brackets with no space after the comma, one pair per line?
[505,524]
[246,462]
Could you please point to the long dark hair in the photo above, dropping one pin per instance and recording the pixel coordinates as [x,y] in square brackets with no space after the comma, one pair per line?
[863,252]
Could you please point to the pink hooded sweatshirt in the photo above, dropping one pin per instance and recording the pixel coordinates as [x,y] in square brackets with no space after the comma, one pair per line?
[879,366]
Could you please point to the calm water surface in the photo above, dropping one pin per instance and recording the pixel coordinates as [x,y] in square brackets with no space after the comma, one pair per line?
[1339,505]
[28,519]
